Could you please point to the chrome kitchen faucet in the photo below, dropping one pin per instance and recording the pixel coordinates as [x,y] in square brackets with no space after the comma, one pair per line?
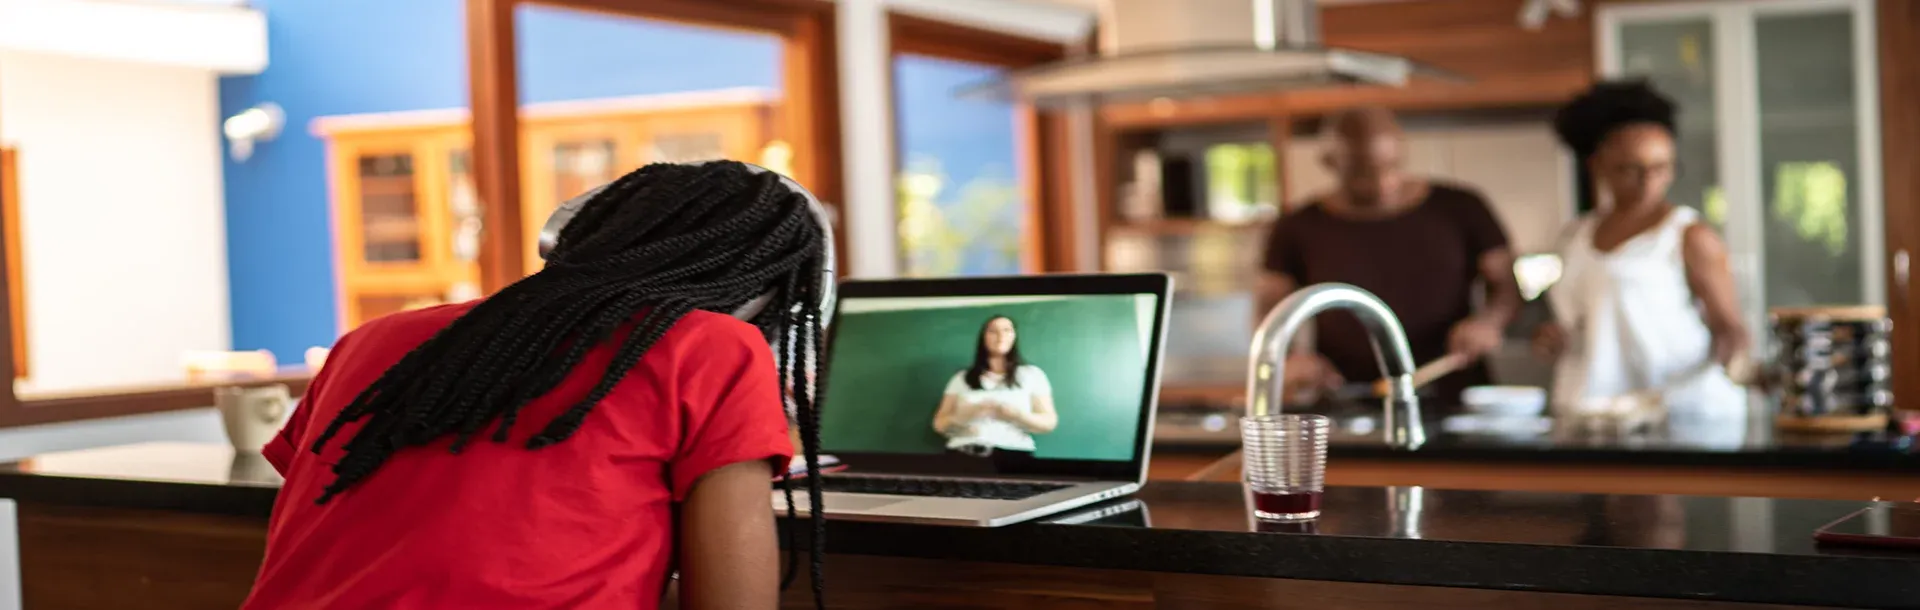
[1267,363]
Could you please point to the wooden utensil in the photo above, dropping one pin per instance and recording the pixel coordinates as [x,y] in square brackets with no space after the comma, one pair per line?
[1439,367]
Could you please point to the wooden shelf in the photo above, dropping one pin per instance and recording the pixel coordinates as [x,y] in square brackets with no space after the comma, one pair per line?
[392,230]
[387,186]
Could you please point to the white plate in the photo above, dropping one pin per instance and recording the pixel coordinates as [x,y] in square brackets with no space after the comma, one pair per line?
[1505,400]
[1522,426]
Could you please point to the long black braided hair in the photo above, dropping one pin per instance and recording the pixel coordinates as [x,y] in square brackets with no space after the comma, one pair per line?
[649,248]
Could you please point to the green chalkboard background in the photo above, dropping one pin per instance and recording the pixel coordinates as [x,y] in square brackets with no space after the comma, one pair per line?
[889,369]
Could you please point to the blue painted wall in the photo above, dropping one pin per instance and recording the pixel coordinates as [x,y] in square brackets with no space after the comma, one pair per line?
[337,57]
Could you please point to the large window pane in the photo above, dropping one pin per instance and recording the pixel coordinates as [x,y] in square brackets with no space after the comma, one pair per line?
[1809,159]
[962,208]
[1677,57]
[602,94]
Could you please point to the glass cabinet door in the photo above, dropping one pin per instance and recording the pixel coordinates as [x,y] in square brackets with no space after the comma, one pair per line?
[581,165]
[389,202]
[719,133]
[568,161]
[397,231]
[463,207]
[684,146]
[1819,246]
[463,203]
[1677,57]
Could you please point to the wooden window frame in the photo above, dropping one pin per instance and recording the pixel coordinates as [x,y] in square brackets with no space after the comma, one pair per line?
[1898,36]
[1049,244]
[16,278]
[808,120]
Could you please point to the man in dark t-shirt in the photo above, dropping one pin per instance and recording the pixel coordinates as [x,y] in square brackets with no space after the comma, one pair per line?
[1428,250]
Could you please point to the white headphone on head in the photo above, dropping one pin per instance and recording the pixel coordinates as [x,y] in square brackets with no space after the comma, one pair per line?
[550,237]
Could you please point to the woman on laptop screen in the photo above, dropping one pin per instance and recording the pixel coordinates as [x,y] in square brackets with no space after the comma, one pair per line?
[993,408]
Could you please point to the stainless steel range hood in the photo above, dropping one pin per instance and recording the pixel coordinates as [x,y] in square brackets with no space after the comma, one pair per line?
[1181,48]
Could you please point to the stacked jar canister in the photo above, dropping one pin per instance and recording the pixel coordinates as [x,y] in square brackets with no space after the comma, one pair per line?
[1832,361]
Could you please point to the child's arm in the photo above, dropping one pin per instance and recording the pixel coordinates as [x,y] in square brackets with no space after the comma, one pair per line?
[729,557]
[735,434]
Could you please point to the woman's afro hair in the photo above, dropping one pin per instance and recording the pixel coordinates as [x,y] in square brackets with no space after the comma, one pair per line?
[1584,123]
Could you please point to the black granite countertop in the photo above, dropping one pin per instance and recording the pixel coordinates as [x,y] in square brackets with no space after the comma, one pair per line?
[1731,549]
[1531,440]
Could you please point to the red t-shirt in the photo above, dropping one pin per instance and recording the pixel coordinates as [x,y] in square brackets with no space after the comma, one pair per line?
[585,523]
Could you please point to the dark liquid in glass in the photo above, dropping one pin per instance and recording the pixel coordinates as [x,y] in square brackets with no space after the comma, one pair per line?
[1286,505]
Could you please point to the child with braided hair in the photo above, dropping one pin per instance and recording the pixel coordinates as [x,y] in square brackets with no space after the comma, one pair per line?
[643,357]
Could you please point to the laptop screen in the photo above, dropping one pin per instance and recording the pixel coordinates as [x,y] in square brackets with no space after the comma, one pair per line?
[1047,378]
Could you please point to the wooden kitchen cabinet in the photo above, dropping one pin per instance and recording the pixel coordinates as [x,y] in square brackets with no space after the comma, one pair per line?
[407,213]
[566,156]
[562,162]
[392,243]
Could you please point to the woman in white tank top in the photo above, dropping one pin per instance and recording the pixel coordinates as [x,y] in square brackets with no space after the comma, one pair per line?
[1646,300]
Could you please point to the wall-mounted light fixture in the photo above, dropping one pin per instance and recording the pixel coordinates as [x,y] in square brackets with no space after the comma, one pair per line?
[260,123]
[1534,14]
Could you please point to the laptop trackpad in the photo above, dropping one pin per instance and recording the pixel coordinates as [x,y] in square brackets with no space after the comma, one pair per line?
[855,503]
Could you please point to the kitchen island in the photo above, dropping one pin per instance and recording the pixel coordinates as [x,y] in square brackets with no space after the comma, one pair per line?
[162,526]
[1477,453]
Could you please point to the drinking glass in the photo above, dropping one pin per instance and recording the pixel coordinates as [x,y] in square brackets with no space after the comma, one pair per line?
[1285,464]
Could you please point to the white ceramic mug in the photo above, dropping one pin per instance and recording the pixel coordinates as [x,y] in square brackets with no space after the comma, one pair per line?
[252,415]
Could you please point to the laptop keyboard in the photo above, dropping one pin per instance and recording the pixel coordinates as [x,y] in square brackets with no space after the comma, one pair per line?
[935,488]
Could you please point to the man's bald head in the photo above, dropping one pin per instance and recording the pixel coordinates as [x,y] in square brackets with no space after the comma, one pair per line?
[1362,124]
[1365,150]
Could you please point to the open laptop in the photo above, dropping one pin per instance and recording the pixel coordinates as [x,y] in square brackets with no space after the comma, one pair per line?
[904,354]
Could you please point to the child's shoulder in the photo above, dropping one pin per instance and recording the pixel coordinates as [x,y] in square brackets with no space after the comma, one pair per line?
[717,329]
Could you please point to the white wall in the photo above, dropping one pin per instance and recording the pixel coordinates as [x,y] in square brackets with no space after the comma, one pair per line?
[9,557]
[1526,176]
[122,217]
